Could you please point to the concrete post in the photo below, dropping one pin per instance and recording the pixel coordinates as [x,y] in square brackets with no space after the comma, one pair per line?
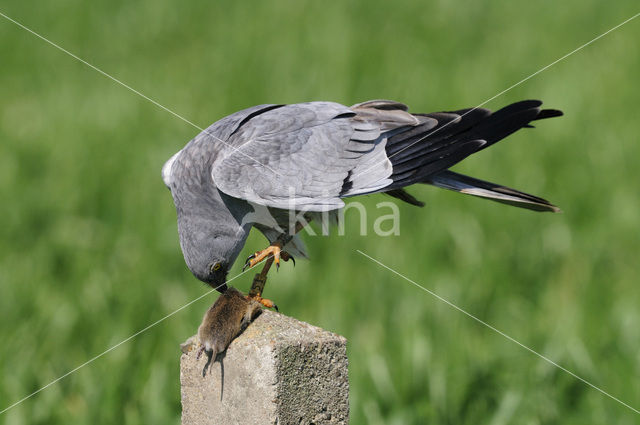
[279,371]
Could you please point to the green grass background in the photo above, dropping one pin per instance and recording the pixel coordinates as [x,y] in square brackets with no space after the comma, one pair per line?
[88,244]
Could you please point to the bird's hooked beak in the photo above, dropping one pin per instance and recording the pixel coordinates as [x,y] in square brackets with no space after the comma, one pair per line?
[222,287]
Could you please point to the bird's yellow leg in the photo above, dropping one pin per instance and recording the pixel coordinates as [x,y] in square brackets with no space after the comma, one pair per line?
[274,250]
[272,254]
[258,286]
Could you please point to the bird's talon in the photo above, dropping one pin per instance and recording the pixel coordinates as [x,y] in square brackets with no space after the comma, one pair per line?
[286,257]
[264,301]
[249,262]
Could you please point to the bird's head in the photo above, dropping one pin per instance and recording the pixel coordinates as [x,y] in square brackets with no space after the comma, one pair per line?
[214,272]
[209,249]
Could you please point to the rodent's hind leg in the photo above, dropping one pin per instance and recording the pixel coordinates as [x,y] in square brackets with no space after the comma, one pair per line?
[199,353]
[252,312]
[210,360]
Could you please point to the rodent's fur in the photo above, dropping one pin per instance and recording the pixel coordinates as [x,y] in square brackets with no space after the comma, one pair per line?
[224,320]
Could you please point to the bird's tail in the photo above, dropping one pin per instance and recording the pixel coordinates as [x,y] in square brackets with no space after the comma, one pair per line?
[483,189]
[424,153]
[445,138]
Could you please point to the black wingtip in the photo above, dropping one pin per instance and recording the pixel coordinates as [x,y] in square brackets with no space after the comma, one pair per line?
[549,113]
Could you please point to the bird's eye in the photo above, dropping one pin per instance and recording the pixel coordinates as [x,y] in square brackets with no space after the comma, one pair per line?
[216,267]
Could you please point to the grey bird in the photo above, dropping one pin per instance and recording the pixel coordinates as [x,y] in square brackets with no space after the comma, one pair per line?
[303,159]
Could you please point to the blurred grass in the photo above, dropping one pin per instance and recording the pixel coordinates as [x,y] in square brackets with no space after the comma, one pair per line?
[88,246]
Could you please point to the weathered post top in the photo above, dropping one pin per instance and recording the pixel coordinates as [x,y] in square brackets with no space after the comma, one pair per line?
[279,371]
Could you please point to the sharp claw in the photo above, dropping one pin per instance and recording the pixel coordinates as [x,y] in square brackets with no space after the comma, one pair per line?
[286,257]
[247,262]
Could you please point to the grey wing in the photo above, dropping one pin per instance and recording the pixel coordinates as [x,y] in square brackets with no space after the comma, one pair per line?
[311,154]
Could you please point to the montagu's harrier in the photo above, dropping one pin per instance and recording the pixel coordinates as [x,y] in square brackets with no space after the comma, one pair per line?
[306,157]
